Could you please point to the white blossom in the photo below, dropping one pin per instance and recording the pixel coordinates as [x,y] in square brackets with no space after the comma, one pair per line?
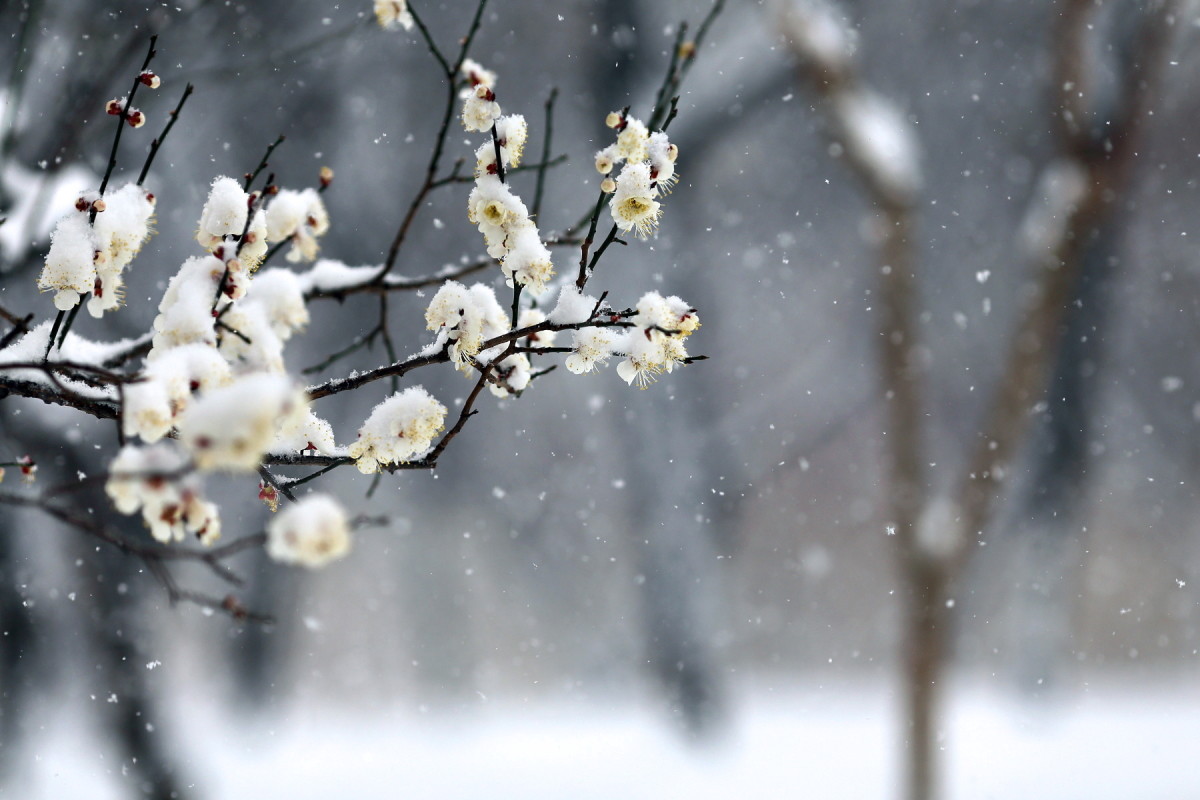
[281,295]
[480,109]
[233,426]
[509,233]
[146,411]
[512,133]
[304,432]
[511,375]
[392,14]
[301,217]
[656,345]
[255,347]
[467,318]
[573,306]
[254,247]
[632,141]
[399,429]
[633,205]
[121,230]
[70,269]
[661,154]
[172,376]
[476,75]
[310,533]
[185,312]
[606,159]
[530,317]
[496,210]
[527,260]
[224,212]
[592,346]
[156,480]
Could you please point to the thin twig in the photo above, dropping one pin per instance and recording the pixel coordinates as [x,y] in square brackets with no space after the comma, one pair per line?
[439,143]
[162,137]
[545,162]
[262,164]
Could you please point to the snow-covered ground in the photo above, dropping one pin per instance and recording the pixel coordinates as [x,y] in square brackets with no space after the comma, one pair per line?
[819,744]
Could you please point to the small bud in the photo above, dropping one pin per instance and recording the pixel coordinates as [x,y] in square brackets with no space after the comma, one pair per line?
[82,204]
[99,205]
[135,118]
[484,93]
[326,177]
[269,495]
[271,190]
[672,152]
[148,78]
[604,163]
[613,119]
[115,106]
[608,186]
[234,607]
[687,50]
[28,468]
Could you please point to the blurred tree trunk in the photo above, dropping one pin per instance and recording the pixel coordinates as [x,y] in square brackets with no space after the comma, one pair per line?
[1054,501]
[260,652]
[121,681]
[935,535]
[19,651]
[674,549]
[119,650]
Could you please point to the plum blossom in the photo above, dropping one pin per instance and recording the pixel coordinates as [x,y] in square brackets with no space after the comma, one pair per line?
[399,429]
[310,533]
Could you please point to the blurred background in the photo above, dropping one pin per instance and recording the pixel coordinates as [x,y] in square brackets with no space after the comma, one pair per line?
[602,592]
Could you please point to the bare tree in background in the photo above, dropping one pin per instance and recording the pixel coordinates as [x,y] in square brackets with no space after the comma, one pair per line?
[1078,207]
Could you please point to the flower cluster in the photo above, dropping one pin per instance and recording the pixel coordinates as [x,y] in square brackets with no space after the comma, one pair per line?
[399,429]
[310,533]
[656,344]
[649,172]
[155,480]
[392,14]
[231,427]
[299,216]
[169,382]
[509,232]
[91,247]
[465,318]
[213,392]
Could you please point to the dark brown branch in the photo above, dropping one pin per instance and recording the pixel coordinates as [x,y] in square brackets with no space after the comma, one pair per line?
[154,556]
[162,137]
[582,278]
[395,283]
[442,356]
[262,164]
[123,120]
[439,142]
[545,163]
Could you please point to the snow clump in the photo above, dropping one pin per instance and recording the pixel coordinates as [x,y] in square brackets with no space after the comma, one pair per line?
[399,429]
[310,533]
